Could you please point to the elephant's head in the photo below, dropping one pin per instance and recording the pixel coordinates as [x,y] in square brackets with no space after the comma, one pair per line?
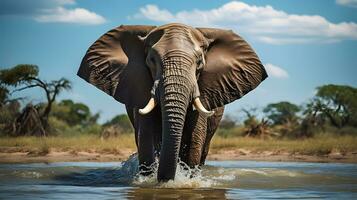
[173,66]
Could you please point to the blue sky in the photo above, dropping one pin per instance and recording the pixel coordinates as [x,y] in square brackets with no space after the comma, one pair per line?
[303,44]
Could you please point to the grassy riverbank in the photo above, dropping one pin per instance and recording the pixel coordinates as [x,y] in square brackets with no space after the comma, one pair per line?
[319,145]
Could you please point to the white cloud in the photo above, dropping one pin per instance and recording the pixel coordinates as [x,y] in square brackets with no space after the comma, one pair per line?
[263,23]
[350,3]
[77,15]
[63,11]
[152,12]
[275,71]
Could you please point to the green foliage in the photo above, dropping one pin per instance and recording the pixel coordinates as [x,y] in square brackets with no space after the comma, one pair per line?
[94,129]
[61,128]
[4,94]
[122,121]
[8,112]
[250,121]
[56,86]
[251,117]
[281,112]
[339,104]
[18,74]
[336,104]
[74,113]
[22,77]
[235,131]
[13,77]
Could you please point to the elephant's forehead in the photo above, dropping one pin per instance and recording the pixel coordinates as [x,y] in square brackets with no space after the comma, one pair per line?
[174,25]
[181,32]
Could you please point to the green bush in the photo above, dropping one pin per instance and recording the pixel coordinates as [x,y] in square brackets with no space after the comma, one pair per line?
[231,132]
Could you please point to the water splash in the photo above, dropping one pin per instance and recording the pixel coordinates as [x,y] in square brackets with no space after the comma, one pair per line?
[130,167]
[185,177]
[30,174]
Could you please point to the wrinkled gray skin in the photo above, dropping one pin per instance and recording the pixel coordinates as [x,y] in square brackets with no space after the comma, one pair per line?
[173,62]
[174,57]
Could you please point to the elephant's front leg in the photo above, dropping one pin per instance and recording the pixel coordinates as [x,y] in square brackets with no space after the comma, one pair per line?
[193,138]
[198,140]
[148,133]
[212,126]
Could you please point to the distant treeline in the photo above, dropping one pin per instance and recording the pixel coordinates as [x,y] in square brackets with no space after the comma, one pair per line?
[333,108]
[50,117]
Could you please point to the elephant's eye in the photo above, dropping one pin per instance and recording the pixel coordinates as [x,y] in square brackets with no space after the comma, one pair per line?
[199,64]
[152,60]
[204,47]
[199,68]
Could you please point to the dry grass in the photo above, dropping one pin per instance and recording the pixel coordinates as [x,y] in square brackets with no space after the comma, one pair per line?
[313,146]
[320,145]
[79,143]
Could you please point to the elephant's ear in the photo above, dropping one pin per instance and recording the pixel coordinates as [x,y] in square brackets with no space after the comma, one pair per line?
[115,63]
[232,68]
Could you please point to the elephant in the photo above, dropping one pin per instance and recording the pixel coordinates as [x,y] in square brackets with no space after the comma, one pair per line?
[174,80]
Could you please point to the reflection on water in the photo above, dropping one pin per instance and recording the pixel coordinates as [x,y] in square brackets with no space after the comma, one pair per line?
[166,193]
[217,180]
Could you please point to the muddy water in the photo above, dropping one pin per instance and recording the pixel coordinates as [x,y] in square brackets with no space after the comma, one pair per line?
[217,180]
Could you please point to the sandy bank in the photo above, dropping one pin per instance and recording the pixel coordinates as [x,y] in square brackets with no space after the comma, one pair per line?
[14,155]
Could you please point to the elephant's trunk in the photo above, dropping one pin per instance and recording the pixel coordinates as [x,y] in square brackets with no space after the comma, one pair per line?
[175,94]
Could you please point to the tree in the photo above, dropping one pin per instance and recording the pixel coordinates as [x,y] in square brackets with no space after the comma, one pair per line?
[8,114]
[10,108]
[251,117]
[74,113]
[25,76]
[14,77]
[4,95]
[282,112]
[121,120]
[52,89]
[260,129]
[311,121]
[253,127]
[337,103]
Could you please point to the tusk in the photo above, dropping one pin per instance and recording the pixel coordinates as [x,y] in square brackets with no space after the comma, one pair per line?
[198,105]
[149,107]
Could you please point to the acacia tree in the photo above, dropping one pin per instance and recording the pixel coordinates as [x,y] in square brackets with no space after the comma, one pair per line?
[25,76]
[282,112]
[10,107]
[337,103]
[51,89]
[11,78]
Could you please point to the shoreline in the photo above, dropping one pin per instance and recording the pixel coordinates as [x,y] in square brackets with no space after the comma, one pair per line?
[13,156]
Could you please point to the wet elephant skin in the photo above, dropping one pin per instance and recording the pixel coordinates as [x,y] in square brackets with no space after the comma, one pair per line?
[174,80]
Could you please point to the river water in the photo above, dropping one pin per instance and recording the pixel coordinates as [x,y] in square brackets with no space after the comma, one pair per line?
[216,180]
